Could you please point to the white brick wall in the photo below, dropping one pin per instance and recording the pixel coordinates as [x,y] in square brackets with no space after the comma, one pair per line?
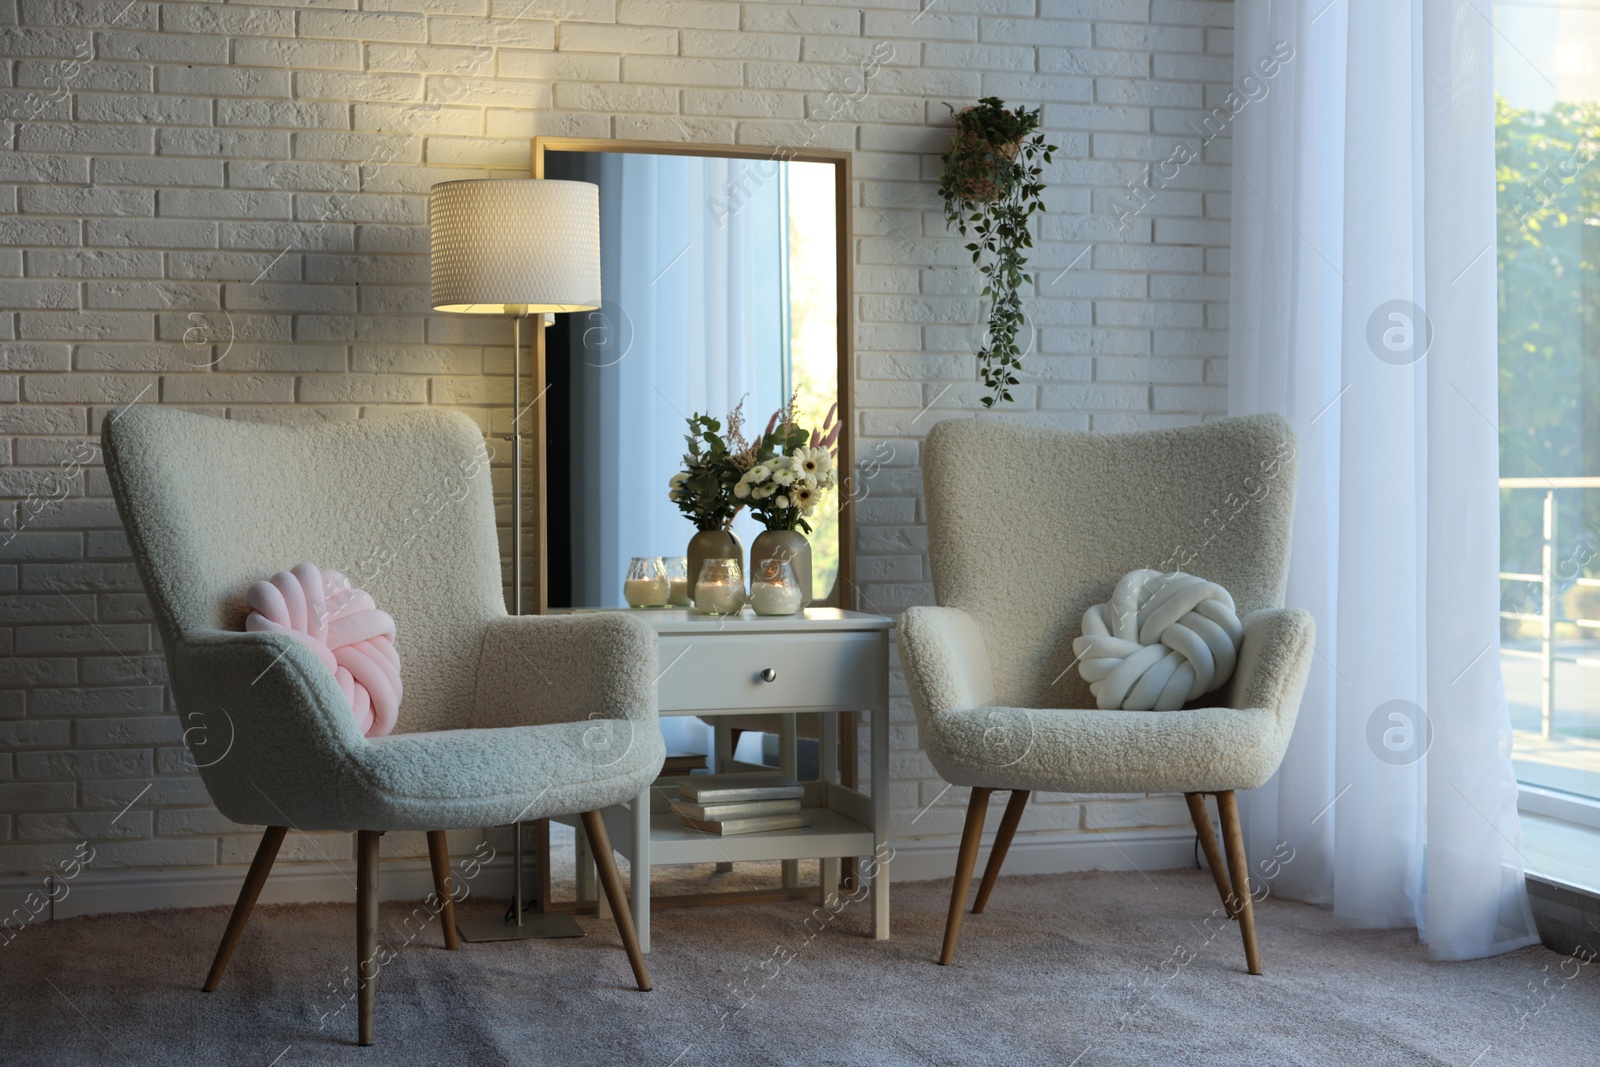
[161,157]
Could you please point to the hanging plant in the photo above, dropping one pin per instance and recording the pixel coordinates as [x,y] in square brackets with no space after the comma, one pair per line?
[991,185]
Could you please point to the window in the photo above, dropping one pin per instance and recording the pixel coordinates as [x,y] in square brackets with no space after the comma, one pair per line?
[1547,125]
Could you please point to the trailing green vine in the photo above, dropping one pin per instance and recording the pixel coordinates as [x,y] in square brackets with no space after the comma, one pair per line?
[991,185]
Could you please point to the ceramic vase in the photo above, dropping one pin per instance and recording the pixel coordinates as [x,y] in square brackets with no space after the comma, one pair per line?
[712,544]
[789,545]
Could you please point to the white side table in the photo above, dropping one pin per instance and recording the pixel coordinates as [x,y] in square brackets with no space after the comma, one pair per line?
[825,660]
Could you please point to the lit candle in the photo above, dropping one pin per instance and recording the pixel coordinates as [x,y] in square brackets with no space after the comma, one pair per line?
[645,592]
[718,598]
[678,592]
[775,598]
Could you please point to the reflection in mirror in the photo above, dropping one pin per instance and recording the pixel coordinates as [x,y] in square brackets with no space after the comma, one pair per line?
[719,286]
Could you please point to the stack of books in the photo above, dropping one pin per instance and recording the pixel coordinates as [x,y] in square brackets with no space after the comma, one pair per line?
[729,804]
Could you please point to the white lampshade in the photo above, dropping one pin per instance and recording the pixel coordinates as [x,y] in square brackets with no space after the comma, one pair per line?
[526,243]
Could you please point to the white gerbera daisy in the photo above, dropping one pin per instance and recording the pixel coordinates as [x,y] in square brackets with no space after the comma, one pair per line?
[804,495]
[815,461]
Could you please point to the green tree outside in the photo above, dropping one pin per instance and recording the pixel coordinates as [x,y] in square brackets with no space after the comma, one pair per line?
[1547,177]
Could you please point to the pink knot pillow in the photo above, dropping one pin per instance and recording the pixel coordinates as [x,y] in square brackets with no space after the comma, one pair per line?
[342,625]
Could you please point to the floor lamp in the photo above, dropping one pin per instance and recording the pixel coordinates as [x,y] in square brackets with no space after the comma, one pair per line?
[523,248]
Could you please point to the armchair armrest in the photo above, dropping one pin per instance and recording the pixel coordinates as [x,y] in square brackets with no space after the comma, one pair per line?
[539,669]
[945,659]
[266,724]
[1274,662]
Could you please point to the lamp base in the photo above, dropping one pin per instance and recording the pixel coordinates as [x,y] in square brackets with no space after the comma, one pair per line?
[544,924]
[516,924]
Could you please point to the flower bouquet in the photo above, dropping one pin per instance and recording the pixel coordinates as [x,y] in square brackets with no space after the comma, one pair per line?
[789,470]
[703,490]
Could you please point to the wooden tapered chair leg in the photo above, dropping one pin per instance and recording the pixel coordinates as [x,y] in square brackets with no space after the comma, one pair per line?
[266,852]
[966,859]
[366,929]
[1238,867]
[439,859]
[606,865]
[1208,844]
[1002,844]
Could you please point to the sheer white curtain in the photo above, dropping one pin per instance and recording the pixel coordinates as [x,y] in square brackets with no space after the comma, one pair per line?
[1363,309]
[691,274]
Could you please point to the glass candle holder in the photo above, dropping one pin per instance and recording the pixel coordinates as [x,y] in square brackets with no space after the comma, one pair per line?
[677,580]
[646,583]
[720,588]
[775,589]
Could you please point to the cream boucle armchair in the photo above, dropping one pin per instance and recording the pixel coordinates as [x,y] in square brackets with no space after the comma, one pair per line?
[504,718]
[1027,529]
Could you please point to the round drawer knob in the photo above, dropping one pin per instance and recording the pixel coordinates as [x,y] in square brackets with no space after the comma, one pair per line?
[769,674]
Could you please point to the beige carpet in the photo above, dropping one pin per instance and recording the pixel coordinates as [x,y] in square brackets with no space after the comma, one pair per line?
[1087,969]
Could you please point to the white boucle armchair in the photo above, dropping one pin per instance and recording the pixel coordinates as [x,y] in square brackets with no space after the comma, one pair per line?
[1027,529]
[504,719]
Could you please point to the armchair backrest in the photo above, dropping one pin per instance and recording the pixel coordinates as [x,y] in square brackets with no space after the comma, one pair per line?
[1029,527]
[400,504]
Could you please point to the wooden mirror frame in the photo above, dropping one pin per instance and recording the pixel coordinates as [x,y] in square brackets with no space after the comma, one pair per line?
[538,595]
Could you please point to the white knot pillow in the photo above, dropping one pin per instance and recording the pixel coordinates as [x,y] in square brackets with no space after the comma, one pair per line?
[1162,640]
[346,631]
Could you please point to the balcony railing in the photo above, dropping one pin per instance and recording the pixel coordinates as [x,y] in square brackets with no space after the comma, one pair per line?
[1547,580]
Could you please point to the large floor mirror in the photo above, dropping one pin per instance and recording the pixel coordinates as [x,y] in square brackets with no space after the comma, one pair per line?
[725,276]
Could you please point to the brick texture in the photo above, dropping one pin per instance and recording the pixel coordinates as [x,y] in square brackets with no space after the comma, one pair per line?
[224,207]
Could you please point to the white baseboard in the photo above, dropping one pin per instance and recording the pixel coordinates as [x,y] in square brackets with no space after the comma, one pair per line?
[98,892]
[1133,850]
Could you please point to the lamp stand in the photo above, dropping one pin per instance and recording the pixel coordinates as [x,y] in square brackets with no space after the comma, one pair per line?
[546,924]
[516,463]
[517,313]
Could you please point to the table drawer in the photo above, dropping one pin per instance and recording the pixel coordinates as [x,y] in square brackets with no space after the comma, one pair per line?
[724,672]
